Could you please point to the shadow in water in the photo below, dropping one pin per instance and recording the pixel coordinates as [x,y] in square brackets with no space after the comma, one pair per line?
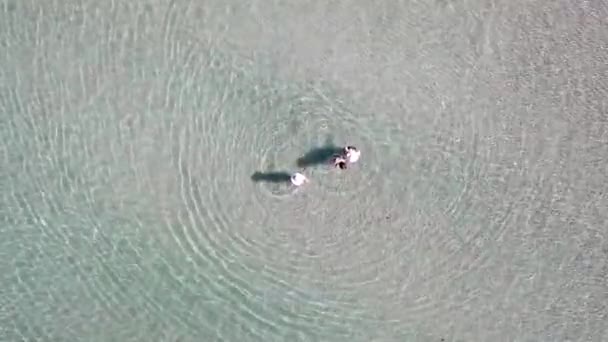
[319,155]
[271,177]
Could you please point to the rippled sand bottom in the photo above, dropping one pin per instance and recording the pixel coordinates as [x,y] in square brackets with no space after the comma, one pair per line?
[131,134]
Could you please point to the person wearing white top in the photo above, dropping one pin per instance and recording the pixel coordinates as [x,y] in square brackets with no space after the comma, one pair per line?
[298,179]
[352,154]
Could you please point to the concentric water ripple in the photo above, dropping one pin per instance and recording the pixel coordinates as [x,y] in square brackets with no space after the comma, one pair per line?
[288,124]
[129,140]
[213,185]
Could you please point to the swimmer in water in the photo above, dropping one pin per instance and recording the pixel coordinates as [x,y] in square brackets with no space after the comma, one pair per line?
[298,179]
[352,154]
[339,161]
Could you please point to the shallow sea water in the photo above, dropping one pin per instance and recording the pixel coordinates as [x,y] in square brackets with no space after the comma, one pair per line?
[130,131]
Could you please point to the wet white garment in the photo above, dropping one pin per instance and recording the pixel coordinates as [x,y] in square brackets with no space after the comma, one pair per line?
[353,155]
[298,179]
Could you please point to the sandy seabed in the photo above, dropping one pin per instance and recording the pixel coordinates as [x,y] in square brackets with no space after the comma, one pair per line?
[130,131]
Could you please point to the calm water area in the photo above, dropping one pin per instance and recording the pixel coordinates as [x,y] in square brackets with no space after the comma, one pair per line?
[143,148]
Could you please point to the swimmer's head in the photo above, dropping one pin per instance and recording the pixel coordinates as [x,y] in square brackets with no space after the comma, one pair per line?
[339,161]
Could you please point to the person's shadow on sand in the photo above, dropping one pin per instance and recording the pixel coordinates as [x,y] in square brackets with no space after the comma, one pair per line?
[318,155]
[271,177]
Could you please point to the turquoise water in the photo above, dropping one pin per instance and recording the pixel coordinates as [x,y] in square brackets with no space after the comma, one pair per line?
[130,132]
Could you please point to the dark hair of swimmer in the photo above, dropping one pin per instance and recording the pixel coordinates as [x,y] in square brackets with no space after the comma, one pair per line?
[342,165]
